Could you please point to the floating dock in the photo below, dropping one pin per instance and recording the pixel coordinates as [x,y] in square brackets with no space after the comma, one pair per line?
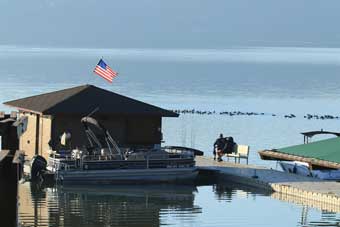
[324,195]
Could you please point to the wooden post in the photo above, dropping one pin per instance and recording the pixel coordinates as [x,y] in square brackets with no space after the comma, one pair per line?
[37,132]
[10,170]
[8,190]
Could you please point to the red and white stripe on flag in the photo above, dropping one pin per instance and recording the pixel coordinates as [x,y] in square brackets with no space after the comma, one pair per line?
[103,70]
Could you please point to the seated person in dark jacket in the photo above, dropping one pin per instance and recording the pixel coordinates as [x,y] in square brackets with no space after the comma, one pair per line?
[228,145]
[218,147]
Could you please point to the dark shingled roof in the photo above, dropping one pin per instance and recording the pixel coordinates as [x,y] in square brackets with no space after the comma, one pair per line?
[83,100]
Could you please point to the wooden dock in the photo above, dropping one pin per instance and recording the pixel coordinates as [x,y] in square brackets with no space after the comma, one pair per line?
[287,187]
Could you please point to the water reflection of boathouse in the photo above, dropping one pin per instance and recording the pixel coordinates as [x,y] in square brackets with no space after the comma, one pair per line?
[107,205]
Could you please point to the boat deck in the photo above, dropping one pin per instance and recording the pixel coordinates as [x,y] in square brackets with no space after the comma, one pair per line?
[306,190]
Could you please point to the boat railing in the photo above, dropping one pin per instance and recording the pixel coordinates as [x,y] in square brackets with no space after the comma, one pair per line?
[60,166]
[145,160]
[63,156]
[65,166]
[181,154]
[146,163]
[96,157]
[176,162]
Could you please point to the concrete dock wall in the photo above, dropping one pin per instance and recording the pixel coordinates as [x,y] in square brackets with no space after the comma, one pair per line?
[322,194]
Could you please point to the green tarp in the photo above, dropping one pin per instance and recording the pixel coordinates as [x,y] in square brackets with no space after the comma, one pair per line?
[327,150]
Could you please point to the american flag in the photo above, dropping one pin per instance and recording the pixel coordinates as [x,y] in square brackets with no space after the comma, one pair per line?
[103,70]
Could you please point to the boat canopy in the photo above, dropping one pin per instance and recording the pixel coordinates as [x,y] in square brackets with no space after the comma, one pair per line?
[323,153]
[310,134]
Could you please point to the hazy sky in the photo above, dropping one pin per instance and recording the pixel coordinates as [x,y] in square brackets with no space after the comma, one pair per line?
[170,23]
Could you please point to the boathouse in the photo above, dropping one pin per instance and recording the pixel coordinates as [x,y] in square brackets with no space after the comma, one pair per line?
[130,122]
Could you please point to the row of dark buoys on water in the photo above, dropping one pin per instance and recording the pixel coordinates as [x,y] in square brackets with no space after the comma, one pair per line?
[320,117]
[240,113]
[193,111]
[229,113]
[290,116]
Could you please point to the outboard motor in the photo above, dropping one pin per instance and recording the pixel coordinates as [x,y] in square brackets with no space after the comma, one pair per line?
[38,166]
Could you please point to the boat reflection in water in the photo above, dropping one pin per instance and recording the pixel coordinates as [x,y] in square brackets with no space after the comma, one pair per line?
[138,205]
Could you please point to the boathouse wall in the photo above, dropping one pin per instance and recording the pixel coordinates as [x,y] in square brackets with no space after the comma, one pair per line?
[144,130]
[32,143]
[125,130]
[45,133]
[27,141]
[73,125]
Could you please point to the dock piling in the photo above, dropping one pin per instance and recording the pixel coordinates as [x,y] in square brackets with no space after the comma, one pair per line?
[9,175]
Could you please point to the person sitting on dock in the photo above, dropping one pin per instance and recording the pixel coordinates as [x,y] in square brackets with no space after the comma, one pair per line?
[218,148]
[228,145]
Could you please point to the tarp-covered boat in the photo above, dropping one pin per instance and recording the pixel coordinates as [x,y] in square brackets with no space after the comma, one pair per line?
[319,159]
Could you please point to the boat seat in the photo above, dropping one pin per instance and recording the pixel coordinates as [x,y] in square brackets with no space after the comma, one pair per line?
[239,152]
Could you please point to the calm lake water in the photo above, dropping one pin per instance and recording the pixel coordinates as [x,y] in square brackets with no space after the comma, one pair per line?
[163,205]
[267,80]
